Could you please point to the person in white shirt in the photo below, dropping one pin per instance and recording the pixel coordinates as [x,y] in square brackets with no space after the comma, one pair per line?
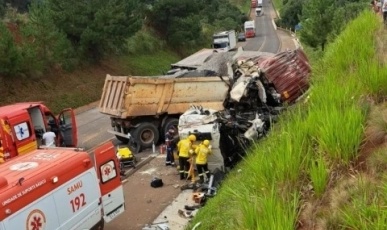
[49,138]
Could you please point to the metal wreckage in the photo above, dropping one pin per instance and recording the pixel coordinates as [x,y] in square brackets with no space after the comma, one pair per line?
[260,87]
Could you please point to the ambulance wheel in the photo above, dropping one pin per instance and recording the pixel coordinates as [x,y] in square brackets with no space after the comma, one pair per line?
[146,134]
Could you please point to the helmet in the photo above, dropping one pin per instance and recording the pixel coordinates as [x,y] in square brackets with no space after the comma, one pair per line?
[192,137]
[206,143]
[171,131]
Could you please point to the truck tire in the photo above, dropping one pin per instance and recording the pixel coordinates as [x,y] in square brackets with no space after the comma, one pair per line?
[123,140]
[146,134]
[171,123]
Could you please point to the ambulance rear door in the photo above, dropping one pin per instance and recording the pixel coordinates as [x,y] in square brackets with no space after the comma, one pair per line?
[23,135]
[108,171]
[68,128]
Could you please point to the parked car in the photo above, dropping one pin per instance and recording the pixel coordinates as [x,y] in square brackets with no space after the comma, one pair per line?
[241,37]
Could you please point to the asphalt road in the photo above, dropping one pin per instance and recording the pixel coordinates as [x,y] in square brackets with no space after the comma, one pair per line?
[266,39]
[92,128]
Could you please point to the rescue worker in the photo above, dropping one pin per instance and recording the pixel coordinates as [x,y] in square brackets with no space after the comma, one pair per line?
[202,152]
[170,143]
[49,138]
[186,149]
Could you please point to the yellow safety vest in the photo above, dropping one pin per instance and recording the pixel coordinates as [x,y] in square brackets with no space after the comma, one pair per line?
[184,146]
[202,152]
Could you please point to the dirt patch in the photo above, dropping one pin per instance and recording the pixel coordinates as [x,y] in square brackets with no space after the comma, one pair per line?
[57,89]
[345,182]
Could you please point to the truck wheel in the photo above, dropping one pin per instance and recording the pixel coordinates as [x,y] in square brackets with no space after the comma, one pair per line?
[146,134]
[171,123]
[123,140]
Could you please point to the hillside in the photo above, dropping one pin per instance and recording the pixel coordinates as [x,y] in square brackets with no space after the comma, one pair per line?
[323,165]
[60,89]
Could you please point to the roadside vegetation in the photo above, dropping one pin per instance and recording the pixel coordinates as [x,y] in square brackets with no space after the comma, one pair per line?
[323,164]
[49,54]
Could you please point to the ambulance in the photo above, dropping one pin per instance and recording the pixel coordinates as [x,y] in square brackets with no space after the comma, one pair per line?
[61,188]
[22,126]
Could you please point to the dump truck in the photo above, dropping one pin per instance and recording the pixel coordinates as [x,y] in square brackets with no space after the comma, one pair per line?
[147,107]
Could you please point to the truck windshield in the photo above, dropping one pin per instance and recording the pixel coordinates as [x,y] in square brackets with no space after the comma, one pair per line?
[220,45]
[219,36]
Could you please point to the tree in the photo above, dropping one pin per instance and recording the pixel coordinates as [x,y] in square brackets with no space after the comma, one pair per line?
[10,56]
[345,12]
[2,8]
[44,45]
[316,22]
[290,13]
[96,27]
[20,5]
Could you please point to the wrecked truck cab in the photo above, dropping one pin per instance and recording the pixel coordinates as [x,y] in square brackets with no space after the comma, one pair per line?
[202,123]
[230,134]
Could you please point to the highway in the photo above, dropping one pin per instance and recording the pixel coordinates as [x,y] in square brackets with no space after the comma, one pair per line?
[266,39]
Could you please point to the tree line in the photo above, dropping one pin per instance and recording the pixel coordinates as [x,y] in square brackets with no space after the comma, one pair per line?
[39,35]
[319,21]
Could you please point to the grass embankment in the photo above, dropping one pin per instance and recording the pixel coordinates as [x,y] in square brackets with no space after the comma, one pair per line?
[303,175]
[60,90]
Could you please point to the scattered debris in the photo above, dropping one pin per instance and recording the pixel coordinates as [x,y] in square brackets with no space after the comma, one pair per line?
[156,183]
[149,171]
[185,214]
[157,226]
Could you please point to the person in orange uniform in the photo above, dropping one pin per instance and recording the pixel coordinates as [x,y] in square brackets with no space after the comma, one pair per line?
[185,148]
[202,152]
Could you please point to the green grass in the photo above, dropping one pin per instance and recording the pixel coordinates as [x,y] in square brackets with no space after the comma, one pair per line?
[311,144]
[243,5]
[156,63]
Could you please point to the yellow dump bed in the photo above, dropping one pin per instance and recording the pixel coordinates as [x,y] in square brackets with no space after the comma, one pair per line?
[130,96]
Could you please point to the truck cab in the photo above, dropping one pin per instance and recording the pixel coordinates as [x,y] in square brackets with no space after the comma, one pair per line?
[224,41]
[22,126]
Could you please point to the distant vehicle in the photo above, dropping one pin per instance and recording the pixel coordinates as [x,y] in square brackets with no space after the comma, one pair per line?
[241,37]
[250,29]
[224,41]
[253,3]
[258,11]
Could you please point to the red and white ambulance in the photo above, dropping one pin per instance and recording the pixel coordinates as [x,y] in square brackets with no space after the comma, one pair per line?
[61,188]
[23,124]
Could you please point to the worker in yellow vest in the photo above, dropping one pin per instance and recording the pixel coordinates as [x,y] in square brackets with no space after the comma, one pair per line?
[186,149]
[202,152]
